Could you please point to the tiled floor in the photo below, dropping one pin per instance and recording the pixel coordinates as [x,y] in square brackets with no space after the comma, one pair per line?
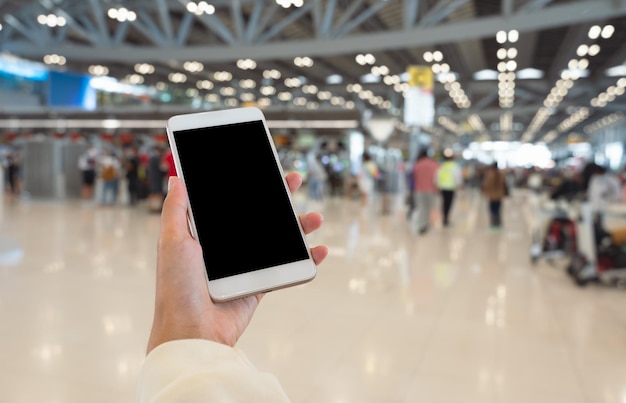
[457,315]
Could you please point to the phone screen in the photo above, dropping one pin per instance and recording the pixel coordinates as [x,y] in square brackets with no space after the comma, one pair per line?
[241,209]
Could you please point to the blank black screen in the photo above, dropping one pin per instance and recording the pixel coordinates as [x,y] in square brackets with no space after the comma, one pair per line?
[240,206]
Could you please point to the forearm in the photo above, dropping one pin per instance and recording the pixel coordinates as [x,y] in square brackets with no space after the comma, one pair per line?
[201,371]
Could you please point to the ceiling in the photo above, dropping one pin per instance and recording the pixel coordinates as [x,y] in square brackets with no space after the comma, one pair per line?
[333,33]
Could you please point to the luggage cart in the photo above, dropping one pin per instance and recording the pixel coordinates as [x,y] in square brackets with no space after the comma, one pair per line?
[586,266]
[542,244]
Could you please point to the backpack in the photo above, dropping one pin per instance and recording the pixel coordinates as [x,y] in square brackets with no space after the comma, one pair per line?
[108,173]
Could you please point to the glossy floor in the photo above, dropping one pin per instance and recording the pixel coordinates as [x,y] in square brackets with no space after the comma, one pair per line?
[456,315]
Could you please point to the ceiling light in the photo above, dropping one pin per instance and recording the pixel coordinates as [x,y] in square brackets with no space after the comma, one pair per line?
[511,65]
[246,64]
[121,14]
[98,70]
[273,74]
[204,85]
[607,31]
[364,59]
[501,36]
[594,32]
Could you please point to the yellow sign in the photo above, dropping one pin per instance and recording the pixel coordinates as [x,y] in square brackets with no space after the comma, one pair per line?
[421,76]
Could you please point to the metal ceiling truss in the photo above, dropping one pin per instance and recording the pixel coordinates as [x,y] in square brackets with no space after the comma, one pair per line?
[257,33]
[266,32]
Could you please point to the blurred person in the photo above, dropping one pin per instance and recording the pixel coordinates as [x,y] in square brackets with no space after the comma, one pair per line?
[604,189]
[622,179]
[168,164]
[334,173]
[588,171]
[109,167]
[13,173]
[449,179]
[367,178]
[142,173]
[132,167]
[570,187]
[410,193]
[535,181]
[494,188]
[316,177]
[424,175]
[191,354]
[87,165]
[156,177]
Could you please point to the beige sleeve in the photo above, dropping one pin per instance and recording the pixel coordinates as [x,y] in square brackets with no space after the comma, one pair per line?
[203,371]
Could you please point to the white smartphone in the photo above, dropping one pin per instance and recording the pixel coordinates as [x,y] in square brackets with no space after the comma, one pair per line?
[240,207]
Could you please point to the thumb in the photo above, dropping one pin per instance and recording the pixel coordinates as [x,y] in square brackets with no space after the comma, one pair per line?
[174,213]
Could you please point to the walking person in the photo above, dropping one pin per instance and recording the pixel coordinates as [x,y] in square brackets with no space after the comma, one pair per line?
[424,175]
[110,167]
[316,177]
[87,165]
[494,189]
[367,178]
[13,173]
[131,166]
[156,177]
[449,179]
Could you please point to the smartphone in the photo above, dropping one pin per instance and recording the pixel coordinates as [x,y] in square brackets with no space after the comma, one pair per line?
[240,208]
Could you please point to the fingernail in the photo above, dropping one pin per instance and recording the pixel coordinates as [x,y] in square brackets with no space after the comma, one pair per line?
[170,181]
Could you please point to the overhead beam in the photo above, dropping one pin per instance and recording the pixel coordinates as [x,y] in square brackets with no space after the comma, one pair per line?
[166,20]
[411,8]
[277,28]
[507,8]
[440,12]
[341,31]
[534,5]
[348,13]
[237,16]
[328,18]
[149,29]
[29,33]
[253,22]
[554,16]
[616,59]
[183,29]
[99,16]
[573,38]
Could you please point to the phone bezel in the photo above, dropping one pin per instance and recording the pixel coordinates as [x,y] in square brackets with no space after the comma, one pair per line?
[258,281]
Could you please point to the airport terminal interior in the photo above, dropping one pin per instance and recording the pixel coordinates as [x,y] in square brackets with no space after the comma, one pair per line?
[468,157]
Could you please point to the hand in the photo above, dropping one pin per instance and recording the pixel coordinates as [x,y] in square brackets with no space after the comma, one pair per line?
[183,307]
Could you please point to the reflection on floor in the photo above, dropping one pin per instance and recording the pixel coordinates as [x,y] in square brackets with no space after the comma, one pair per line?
[456,315]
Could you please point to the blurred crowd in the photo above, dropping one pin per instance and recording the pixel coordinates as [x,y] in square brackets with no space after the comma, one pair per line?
[143,173]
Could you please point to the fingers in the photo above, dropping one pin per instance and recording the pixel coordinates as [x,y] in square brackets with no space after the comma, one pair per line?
[174,213]
[311,222]
[319,253]
[294,180]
